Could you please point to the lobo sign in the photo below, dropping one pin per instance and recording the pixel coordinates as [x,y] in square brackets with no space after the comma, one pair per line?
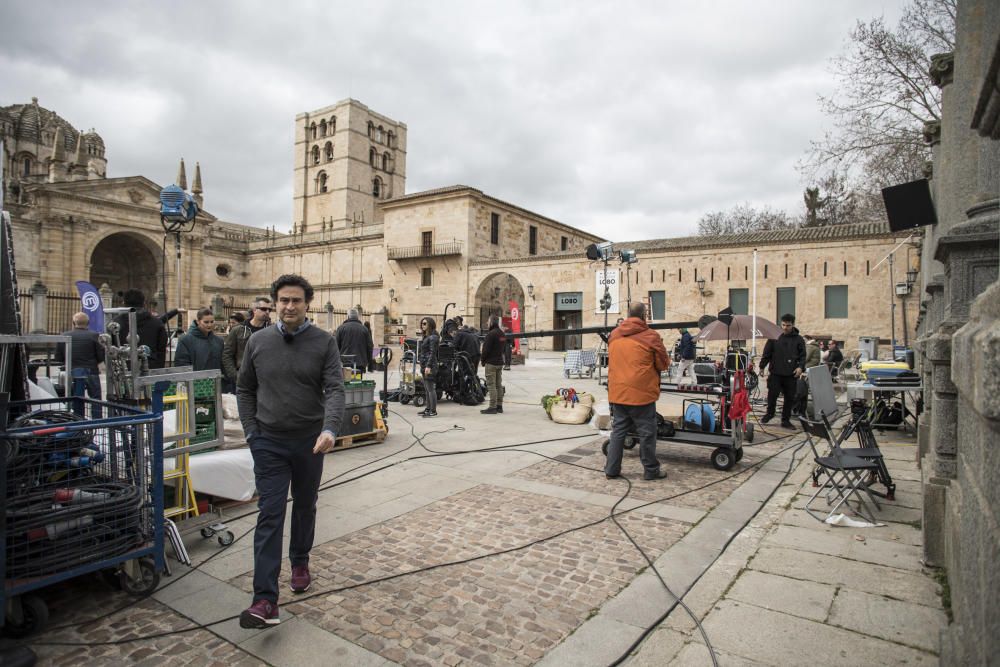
[613,276]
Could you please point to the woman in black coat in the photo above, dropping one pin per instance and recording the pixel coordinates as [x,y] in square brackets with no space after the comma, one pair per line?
[428,359]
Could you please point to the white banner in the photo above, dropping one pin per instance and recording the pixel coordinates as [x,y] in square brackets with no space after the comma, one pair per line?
[613,280]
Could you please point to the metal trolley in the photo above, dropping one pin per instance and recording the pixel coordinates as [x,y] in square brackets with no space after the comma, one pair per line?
[83,495]
[706,422]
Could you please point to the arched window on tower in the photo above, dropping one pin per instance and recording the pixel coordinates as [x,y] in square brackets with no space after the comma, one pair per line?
[333,124]
[322,128]
[391,139]
[315,154]
[321,182]
[372,157]
[328,149]
[377,187]
[385,162]
[312,129]
[371,130]
[379,134]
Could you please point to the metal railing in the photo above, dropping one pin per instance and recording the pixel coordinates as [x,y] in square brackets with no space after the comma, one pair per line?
[417,251]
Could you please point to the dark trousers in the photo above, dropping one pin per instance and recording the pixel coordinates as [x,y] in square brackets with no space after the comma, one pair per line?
[786,386]
[277,464]
[430,388]
[638,419]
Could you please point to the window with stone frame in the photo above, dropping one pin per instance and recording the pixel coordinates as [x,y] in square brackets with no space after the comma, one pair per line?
[426,277]
[495,228]
[564,243]
[321,182]
[328,149]
[312,130]
[322,128]
[315,154]
[377,187]
[532,240]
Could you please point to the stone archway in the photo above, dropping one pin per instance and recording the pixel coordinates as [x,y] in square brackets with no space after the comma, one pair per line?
[494,294]
[125,261]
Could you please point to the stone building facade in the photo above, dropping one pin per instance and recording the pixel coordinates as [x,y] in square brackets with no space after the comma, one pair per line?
[364,242]
[959,339]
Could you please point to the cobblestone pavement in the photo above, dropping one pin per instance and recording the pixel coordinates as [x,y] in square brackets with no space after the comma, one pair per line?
[507,609]
[83,599]
[513,608]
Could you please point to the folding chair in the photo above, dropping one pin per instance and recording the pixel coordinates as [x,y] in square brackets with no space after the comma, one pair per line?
[845,475]
[868,450]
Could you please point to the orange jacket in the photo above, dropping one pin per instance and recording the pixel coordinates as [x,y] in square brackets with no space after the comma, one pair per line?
[636,356]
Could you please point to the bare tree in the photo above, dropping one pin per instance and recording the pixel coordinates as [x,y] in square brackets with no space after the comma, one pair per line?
[885,97]
[741,219]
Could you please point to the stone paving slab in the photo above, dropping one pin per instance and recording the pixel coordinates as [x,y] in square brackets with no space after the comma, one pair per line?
[855,575]
[844,542]
[296,642]
[902,533]
[806,599]
[750,631]
[596,644]
[898,621]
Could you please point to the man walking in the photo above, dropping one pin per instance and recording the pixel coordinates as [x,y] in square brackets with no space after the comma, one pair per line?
[636,357]
[493,359]
[290,394]
[236,340]
[787,357]
[355,343]
[87,353]
[687,356]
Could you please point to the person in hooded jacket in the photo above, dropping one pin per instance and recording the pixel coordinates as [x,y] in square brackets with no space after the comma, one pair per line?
[787,358]
[355,342]
[150,330]
[200,348]
[687,352]
[636,357]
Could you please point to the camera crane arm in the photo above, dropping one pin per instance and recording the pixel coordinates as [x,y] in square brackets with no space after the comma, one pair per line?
[602,331]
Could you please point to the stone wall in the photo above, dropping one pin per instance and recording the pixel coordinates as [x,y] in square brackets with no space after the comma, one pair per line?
[959,344]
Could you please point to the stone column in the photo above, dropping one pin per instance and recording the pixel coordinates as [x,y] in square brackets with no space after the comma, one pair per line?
[39,308]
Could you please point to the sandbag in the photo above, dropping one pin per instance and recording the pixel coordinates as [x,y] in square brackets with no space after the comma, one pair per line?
[565,412]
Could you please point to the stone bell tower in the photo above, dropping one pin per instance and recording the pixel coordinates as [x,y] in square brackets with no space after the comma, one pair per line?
[347,158]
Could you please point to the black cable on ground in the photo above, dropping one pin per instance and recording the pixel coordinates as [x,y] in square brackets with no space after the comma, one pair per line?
[428,568]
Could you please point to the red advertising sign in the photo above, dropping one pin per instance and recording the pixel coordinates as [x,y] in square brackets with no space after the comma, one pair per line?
[515,324]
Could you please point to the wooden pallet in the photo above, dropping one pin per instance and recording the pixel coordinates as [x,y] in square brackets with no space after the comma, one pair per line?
[359,439]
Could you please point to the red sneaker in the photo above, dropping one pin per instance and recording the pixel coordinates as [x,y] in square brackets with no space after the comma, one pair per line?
[301,579]
[261,614]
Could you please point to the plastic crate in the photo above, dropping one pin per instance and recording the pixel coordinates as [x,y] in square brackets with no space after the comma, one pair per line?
[359,392]
[203,389]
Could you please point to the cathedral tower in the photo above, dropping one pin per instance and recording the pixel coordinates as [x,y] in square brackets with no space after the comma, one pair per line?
[347,157]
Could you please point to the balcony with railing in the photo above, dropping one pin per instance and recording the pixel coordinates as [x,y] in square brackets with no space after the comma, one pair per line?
[426,250]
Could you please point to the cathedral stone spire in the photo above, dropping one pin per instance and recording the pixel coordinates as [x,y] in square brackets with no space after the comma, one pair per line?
[59,147]
[182,181]
[80,161]
[196,186]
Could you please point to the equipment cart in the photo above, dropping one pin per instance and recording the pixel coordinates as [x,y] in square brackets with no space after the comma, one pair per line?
[84,495]
[707,421]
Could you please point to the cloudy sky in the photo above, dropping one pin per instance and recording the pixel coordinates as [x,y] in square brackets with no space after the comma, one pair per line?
[627,119]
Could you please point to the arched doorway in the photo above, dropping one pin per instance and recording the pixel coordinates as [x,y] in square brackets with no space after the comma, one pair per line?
[494,296]
[125,261]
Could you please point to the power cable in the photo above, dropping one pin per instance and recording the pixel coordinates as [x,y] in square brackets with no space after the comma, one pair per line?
[428,568]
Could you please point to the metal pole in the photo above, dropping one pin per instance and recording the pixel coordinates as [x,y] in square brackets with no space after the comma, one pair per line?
[892,310]
[177,247]
[753,323]
[906,335]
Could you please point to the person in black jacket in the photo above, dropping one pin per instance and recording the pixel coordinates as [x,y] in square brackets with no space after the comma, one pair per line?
[493,359]
[428,361]
[87,353]
[151,331]
[787,358]
[200,348]
[355,343]
[467,340]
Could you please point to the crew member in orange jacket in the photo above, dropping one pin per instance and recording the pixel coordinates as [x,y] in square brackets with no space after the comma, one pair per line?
[636,357]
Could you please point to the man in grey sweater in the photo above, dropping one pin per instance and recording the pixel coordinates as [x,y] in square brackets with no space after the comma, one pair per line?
[290,394]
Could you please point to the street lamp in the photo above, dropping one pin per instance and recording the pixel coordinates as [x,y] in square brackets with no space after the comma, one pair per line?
[531,291]
[701,290]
